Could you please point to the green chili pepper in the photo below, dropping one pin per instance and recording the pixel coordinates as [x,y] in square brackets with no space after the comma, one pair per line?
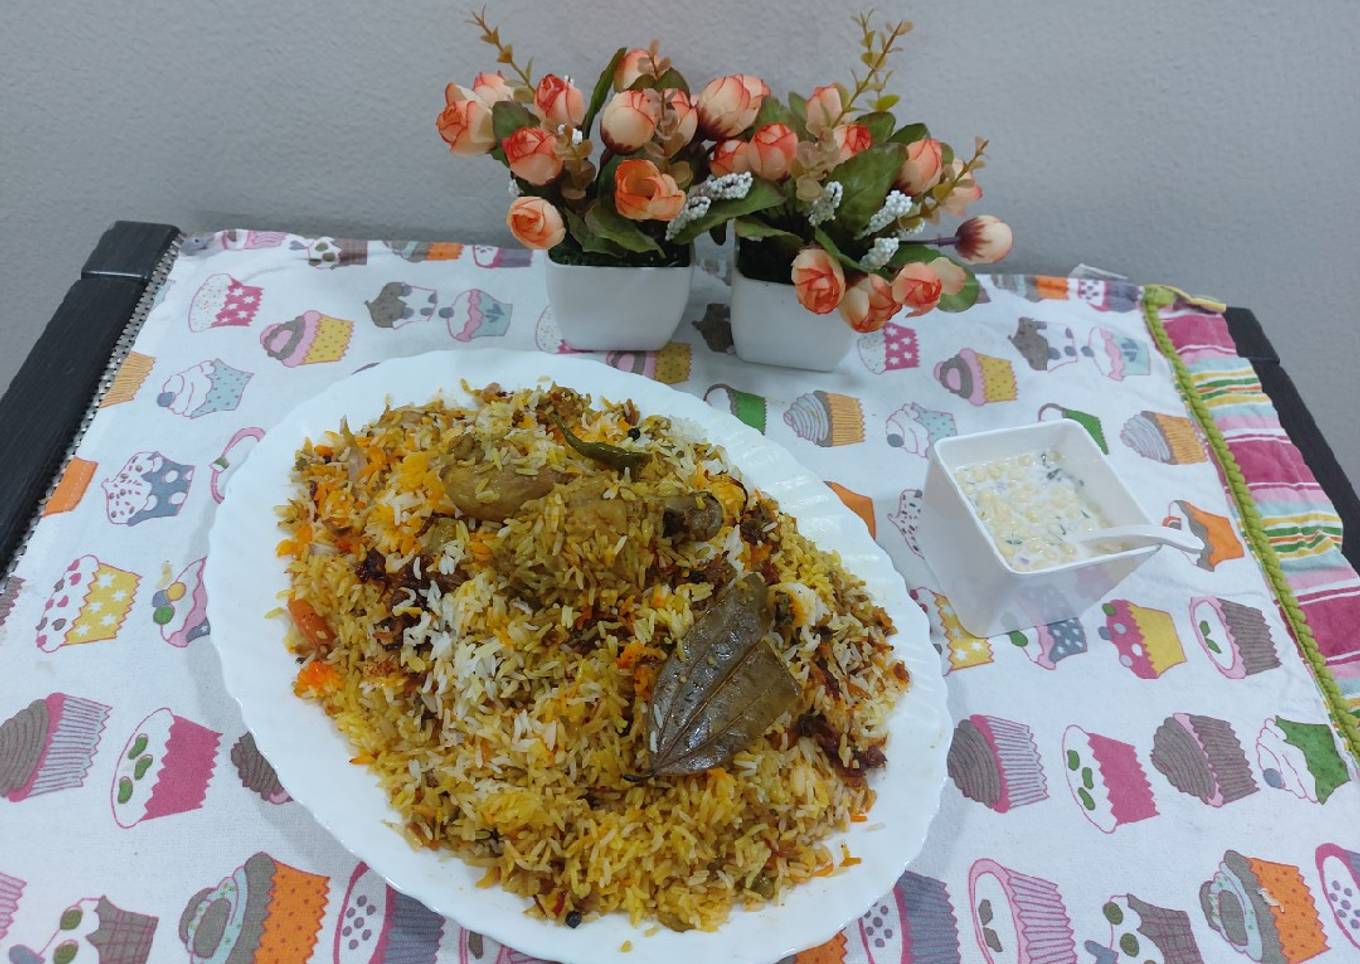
[616,458]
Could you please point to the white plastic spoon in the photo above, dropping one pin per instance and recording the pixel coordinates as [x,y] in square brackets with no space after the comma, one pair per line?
[1136,536]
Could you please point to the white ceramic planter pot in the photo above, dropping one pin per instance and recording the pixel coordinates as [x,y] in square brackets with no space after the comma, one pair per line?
[633,309]
[769,326]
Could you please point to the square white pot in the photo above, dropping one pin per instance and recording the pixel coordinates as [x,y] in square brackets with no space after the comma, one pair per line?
[634,309]
[988,595]
[769,326]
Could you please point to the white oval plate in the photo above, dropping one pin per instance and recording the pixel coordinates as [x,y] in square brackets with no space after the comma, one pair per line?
[245,579]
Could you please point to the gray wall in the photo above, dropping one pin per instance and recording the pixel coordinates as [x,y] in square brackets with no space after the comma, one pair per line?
[1208,144]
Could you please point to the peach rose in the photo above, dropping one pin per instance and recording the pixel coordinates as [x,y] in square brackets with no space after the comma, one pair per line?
[920,168]
[850,140]
[532,155]
[868,304]
[629,120]
[728,105]
[535,223]
[964,193]
[952,277]
[771,150]
[686,120]
[818,280]
[729,157]
[918,287]
[823,109]
[558,103]
[643,193]
[492,88]
[983,240]
[465,122]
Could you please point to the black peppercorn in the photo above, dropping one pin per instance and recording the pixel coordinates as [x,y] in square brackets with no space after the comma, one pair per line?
[573,918]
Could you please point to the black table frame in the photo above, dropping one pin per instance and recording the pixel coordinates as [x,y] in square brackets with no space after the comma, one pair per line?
[46,402]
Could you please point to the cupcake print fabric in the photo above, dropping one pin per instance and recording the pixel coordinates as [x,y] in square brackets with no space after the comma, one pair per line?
[1155,779]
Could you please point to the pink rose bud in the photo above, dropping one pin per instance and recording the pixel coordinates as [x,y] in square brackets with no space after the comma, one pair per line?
[823,109]
[643,193]
[558,103]
[818,280]
[850,140]
[631,66]
[492,88]
[983,240]
[728,105]
[532,155]
[965,192]
[465,122]
[771,150]
[729,157]
[535,223]
[868,304]
[952,277]
[629,120]
[920,168]
[917,287]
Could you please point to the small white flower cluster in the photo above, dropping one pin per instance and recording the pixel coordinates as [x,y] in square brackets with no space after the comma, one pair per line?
[880,254]
[514,187]
[895,205]
[728,187]
[696,206]
[824,208]
[576,137]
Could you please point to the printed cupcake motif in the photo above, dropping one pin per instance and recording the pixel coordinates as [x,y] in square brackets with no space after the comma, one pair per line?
[914,428]
[71,487]
[1263,910]
[489,256]
[996,763]
[417,251]
[1052,412]
[547,336]
[1339,870]
[1044,347]
[223,302]
[1300,758]
[49,745]
[914,922]
[149,486]
[1145,638]
[9,595]
[1018,919]
[181,608]
[978,379]
[475,314]
[715,327]
[1215,531]
[164,769]
[1034,288]
[1118,356]
[670,365]
[1047,646]
[1234,636]
[747,406]
[1108,295]
[473,948]
[962,649]
[309,339]
[1106,780]
[256,773]
[333,252]
[126,383]
[111,934]
[89,604]
[399,304]
[907,517]
[210,386]
[858,503]
[1140,931]
[826,419]
[890,349]
[379,924]
[252,240]
[1201,756]
[11,889]
[233,454]
[1170,439]
[264,911]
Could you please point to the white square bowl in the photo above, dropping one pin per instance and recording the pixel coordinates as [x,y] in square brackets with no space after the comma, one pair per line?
[988,595]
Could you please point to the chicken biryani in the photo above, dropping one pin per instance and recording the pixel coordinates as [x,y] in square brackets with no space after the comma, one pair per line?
[580,653]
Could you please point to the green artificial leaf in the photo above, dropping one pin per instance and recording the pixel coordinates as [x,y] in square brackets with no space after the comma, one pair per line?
[772,112]
[669,79]
[833,249]
[588,239]
[603,86]
[798,108]
[508,117]
[946,154]
[966,297]
[758,230]
[880,125]
[613,226]
[886,102]
[761,196]
[866,180]
[908,133]
[908,253]
[605,179]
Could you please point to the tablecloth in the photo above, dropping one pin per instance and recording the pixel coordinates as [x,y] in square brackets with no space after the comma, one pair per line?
[1155,779]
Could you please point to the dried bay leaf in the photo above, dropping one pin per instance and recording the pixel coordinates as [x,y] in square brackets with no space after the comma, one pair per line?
[722,687]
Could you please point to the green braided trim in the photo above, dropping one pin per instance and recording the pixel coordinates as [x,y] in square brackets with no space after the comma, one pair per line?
[1156,297]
